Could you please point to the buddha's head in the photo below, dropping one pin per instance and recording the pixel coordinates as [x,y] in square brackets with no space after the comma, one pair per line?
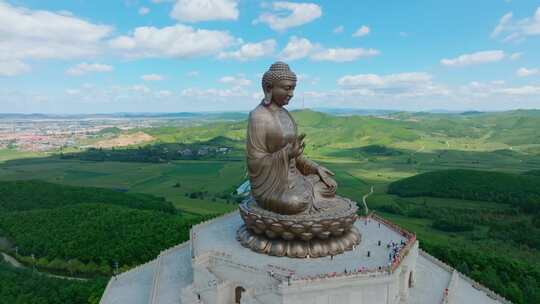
[278,84]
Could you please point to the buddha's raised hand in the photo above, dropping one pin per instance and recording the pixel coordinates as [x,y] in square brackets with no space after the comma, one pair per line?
[297,147]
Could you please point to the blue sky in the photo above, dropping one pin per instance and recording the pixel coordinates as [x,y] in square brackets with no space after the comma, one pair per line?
[82,56]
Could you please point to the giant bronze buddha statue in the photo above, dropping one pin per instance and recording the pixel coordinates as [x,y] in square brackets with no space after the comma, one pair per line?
[293,209]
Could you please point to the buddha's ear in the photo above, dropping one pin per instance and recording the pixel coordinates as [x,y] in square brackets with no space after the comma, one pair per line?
[267,94]
[267,98]
[268,88]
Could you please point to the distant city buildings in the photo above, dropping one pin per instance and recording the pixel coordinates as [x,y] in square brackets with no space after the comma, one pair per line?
[40,135]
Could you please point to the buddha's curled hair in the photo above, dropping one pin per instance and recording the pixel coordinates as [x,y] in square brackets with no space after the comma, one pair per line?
[277,71]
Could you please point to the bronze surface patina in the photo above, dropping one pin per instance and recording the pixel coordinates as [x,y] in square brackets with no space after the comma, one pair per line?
[293,209]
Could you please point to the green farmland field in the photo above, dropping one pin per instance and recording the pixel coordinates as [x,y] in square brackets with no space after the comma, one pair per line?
[156,179]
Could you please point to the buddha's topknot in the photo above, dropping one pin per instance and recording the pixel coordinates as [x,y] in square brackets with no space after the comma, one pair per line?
[277,71]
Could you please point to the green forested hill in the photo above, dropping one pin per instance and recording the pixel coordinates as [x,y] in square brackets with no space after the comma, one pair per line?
[96,233]
[22,286]
[522,191]
[326,130]
[165,152]
[510,127]
[35,194]
[86,230]
[79,231]
[481,131]
[491,221]
[533,172]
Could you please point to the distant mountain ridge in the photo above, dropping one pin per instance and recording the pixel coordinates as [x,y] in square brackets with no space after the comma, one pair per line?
[127,115]
[493,130]
[243,114]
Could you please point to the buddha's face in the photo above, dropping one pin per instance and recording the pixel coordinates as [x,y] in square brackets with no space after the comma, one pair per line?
[282,92]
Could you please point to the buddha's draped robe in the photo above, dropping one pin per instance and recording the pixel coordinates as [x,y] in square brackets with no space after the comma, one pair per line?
[278,183]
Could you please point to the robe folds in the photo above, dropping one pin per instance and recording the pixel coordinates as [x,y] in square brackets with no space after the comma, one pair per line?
[279,183]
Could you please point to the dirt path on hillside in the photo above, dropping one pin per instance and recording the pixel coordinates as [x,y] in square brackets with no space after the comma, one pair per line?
[364,200]
[11,260]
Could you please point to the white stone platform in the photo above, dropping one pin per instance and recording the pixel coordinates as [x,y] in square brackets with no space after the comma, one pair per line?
[221,238]
[215,268]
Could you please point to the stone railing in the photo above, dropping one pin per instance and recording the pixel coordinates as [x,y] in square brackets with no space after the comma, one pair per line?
[195,228]
[361,273]
[226,258]
[450,291]
[287,276]
[490,293]
[357,273]
[157,271]
[213,220]
[280,270]
[391,225]
[436,261]
[411,238]
[136,269]
[154,292]
[403,253]
[106,292]
[174,248]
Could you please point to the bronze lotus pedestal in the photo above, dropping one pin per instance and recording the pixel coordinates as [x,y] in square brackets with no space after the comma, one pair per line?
[293,209]
[328,233]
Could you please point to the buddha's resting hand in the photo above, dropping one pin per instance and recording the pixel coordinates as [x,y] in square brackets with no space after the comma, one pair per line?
[325,174]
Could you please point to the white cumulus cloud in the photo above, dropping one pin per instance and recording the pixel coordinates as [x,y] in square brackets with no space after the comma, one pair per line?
[517,30]
[503,23]
[297,48]
[474,58]
[495,89]
[516,55]
[73,92]
[178,41]
[362,31]
[164,94]
[249,51]
[524,72]
[205,10]
[84,68]
[289,14]
[235,80]
[374,80]
[338,29]
[139,88]
[400,84]
[520,91]
[152,77]
[343,54]
[144,10]
[214,93]
[13,68]
[39,34]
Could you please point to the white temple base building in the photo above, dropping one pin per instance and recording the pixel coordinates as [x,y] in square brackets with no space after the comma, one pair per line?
[387,267]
